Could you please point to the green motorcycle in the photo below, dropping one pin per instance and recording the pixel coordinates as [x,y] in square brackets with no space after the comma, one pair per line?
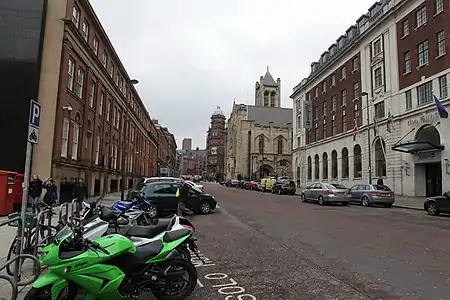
[113,268]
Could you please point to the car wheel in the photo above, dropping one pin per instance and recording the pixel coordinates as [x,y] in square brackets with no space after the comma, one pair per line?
[432,209]
[152,211]
[365,201]
[205,207]
[303,198]
[321,201]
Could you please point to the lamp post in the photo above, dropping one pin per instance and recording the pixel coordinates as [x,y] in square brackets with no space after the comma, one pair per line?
[369,144]
[125,147]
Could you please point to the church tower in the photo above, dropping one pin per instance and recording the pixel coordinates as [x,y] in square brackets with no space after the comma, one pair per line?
[268,91]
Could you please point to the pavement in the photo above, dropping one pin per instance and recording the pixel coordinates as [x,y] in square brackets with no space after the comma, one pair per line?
[265,246]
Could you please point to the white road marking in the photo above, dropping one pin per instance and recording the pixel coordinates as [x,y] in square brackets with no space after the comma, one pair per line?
[199,283]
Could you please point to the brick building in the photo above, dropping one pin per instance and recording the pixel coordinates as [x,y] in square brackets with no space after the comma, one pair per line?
[167,152]
[377,83]
[186,144]
[93,122]
[216,142]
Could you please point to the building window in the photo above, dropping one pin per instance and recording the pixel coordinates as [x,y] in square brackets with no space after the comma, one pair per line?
[108,110]
[95,45]
[440,43]
[324,86]
[356,115]
[309,168]
[422,53]
[357,162]
[334,165]
[425,93]
[117,79]
[408,100]
[76,16]
[380,159]
[101,100]
[105,59]
[407,66]
[344,123]
[379,110]
[316,112]
[70,74]
[91,93]
[421,16]
[377,47]
[344,97]
[345,166]
[80,82]
[333,80]
[85,30]
[316,167]
[405,28]
[280,145]
[333,128]
[65,138]
[355,90]
[343,73]
[439,6]
[111,70]
[324,108]
[378,80]
[355,64]
[443,87]
[261,144]
[325,165]
[316,134]
[316,92]
[97,147]
[115,116]
[324,130]
[333,103]
[75,139]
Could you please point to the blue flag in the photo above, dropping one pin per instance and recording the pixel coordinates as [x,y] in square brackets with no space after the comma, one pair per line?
[441,110]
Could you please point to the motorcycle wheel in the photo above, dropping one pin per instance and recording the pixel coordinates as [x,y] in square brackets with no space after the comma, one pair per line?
[184,252]
[44,293]
[187,286]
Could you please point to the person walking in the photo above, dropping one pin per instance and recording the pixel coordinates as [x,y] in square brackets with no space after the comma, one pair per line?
[380,181]
[80,193]
[35,192]
[51,194]
[182,194]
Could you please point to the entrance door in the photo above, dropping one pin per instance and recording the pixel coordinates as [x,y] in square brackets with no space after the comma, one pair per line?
[433,177]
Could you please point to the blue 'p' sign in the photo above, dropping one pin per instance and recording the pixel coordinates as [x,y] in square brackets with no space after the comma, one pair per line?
[35,113]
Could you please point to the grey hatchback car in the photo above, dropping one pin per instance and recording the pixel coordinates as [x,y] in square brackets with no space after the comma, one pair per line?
[369,194]
[324,193]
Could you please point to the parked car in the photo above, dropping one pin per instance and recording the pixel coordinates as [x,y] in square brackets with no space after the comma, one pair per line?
[193,184]
[284,187]
[161,197]
[134,192]
[233,183]
[266,184]
[324,193]
[252,185]
[372,194]
[437,205]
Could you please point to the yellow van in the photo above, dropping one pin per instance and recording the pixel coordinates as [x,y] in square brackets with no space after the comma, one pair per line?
[267,184]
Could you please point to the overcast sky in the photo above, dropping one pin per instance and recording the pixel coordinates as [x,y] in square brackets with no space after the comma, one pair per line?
[192,56]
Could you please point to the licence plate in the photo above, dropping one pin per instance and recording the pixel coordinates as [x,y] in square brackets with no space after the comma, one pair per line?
[385,194]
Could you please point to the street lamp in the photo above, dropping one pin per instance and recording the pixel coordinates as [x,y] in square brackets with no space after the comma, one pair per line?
[369,146]
[124,146]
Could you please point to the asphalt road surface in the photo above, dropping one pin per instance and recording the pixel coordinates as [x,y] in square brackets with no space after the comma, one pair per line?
[264,246]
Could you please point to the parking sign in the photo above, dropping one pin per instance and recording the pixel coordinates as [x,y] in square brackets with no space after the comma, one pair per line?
[34,117]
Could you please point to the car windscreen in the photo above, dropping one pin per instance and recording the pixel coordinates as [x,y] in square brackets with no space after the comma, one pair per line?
[337,186]
[381,188]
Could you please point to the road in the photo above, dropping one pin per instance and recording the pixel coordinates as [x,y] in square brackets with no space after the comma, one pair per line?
[276,247]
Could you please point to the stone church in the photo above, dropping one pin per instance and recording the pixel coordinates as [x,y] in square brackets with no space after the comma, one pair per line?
[259,137]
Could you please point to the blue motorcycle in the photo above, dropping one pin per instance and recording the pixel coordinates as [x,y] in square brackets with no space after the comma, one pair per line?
[133,212]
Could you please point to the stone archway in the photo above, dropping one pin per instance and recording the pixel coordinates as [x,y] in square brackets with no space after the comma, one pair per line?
[428,133]
[265,170]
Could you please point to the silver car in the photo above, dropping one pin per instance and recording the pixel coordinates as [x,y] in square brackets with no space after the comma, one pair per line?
[369,194]
[324,193]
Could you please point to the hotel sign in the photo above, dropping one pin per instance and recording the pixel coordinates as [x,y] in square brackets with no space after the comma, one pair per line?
[424,119]
[307,114]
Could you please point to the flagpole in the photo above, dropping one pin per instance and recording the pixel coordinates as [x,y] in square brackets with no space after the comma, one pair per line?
[369,146]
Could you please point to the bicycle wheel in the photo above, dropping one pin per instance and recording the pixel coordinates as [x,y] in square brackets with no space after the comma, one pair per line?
[11,254]
[5,292]
[35,268]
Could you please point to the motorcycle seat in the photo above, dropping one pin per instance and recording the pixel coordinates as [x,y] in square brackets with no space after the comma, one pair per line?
[133,263]
[147,231]
[175,235]
[147,251]
[107,214]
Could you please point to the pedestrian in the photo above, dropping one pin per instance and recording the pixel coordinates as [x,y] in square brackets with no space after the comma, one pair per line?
[35,192]
[51,194]
[298,182]
[380,181]
[182,194]
[80,193]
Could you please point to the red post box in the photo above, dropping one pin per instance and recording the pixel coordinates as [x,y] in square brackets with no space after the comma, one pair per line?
[18,190]
[7,181]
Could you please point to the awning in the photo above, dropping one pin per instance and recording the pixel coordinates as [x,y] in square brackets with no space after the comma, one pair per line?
[416,146]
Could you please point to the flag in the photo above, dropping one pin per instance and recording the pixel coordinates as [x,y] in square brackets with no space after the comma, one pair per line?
[375,126]
[441,110]
[390,123]
[355,129]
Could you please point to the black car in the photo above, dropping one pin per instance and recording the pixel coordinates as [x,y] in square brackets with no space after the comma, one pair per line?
[284,187]
[439,204]
[162,197]
[134,192]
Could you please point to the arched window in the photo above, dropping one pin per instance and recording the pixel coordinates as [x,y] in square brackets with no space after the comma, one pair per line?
[280,145]
[88,147]
[325,165]
[334,165]
[76,136]
[266,98]
[345,166]
[357,162]
[261,144]
[316,167]
[273,99]
[97,145]
[309,168]
[380,158]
